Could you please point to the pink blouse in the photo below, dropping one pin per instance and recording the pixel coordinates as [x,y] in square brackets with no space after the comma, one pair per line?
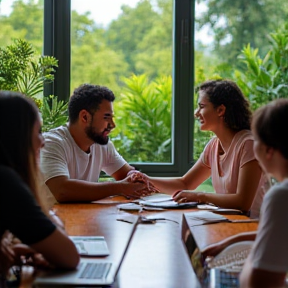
[225,168]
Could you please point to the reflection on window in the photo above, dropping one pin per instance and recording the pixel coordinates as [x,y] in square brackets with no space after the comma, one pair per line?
[115,45]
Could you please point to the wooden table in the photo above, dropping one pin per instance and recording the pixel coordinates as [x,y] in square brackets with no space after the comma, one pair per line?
[156,256]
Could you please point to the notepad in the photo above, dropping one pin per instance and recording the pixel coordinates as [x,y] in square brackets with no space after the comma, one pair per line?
[91,245]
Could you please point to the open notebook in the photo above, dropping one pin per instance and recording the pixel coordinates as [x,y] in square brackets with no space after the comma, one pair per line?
[90,271]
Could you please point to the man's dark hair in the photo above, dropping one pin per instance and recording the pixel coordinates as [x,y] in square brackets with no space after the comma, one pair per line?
[237,114]
[87,97]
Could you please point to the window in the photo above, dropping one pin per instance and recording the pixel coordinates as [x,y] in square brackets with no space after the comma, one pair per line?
[113,45]
[21,19]
[179,67]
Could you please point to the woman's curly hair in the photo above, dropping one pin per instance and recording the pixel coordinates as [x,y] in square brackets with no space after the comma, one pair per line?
[237,114]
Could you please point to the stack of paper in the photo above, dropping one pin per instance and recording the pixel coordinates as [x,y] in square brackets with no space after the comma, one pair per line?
[206,217]
[165,201]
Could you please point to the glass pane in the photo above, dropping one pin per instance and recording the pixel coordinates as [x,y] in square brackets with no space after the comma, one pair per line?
[114,45]
[22,19]
[234,40]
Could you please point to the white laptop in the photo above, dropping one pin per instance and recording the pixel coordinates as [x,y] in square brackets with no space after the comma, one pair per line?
[90,271]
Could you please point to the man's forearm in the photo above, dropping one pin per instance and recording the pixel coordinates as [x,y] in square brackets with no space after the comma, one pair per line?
[72,190]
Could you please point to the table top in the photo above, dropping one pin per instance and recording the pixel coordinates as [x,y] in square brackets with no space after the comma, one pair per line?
[156,256]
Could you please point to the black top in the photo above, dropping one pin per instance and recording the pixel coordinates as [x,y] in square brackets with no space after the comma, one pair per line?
[19,212]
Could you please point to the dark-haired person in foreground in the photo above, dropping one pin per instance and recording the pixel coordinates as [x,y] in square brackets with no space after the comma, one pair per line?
[267,263]
[228,158]
[76,153]
[21,210]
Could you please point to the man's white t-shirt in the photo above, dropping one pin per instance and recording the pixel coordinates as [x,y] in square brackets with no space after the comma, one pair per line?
[270,250]
[61,156]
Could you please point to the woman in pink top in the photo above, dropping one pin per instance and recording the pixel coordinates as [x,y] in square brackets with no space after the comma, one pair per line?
[228,158]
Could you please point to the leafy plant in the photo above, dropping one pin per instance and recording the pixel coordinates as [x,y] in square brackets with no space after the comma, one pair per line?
[145,119]
[14,59]
[54,115]
[265,79]
[21,70]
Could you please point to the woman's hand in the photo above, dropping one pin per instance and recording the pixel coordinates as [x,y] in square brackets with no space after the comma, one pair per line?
[7,255]
[28,256]
[185,196]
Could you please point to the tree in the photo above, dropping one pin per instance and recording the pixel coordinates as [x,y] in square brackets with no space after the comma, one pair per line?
[154,55]
[128,30]
[25,21]
[93,61]
[235,23]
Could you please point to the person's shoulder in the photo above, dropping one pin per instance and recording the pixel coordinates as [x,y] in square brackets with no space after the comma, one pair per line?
[57,134]
[7,173]
[244,135]
[214,140]
[278,192]
[106,147]
[11,181]
[243,140]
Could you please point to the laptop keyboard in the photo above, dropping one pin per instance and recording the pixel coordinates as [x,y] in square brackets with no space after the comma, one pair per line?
[95,270]
[223,279]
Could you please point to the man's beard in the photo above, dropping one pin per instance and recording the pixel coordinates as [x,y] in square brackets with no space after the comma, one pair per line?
[96,137]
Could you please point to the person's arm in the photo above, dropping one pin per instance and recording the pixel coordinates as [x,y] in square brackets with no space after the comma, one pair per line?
[190,181]
[58,250]
[72,190]
[216,248]
[121,173]
[251,277]
[248,181]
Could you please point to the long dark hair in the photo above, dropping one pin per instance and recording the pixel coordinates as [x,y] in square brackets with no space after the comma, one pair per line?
[18,115]
[237,114]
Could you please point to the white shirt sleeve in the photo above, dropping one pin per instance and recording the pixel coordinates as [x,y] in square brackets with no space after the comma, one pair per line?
[113,160]
[270,250]
[53,158]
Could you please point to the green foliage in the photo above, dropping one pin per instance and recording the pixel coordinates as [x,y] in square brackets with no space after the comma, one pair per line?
[235,23]
[54,114]
[25,22]
[133,45]
[21,70]
[145,119]
[14,59]
[125,37]
[265,79]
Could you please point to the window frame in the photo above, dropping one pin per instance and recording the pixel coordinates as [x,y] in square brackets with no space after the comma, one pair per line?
[57,43]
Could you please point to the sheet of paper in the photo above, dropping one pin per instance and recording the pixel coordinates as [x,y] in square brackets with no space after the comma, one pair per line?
[157,197]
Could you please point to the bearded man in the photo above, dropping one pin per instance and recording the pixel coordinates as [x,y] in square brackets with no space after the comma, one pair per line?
[76,153]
